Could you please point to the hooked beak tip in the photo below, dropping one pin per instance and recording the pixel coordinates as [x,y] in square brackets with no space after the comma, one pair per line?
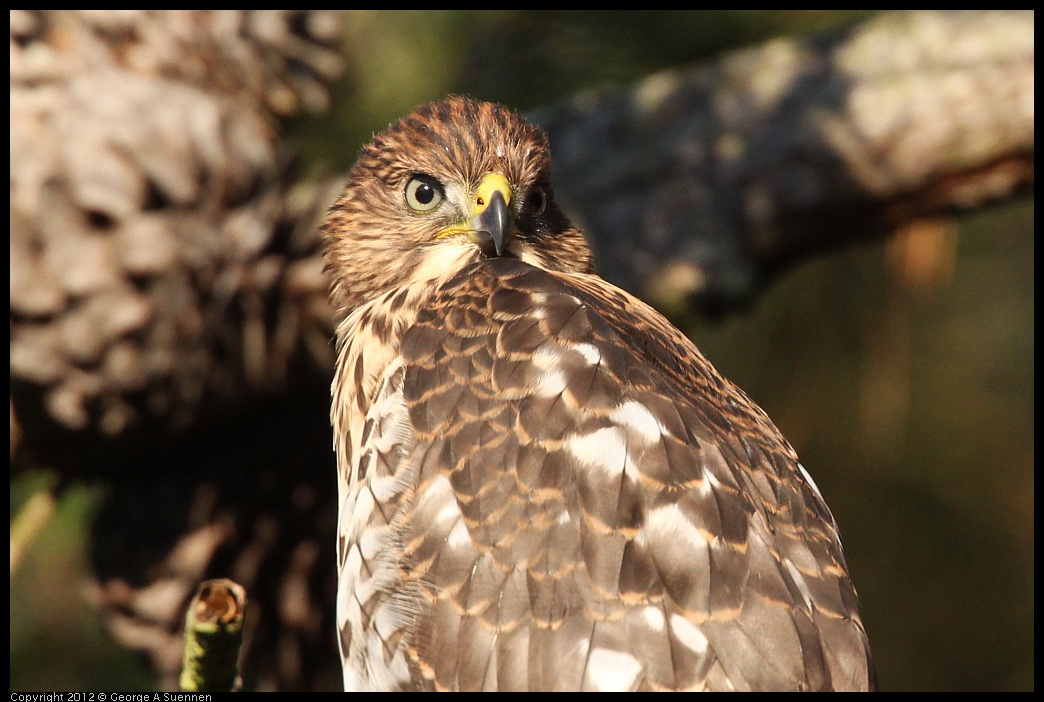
[493,225]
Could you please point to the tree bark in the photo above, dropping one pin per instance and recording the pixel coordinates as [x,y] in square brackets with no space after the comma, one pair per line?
[708,181]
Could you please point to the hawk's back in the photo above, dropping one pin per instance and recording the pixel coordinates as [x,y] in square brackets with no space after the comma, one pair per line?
[551,488]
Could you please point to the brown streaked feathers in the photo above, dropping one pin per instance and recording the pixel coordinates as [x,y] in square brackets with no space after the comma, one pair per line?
[544,485]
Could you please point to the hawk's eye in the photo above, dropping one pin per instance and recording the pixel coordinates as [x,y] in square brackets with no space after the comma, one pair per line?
[537,200]
[423,193]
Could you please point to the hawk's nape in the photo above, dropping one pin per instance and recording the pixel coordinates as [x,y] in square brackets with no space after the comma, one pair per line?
[543,484]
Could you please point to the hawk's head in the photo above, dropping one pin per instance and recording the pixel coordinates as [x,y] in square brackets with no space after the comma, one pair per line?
[450,183]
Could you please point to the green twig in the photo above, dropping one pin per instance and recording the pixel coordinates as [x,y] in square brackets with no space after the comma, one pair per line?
[213,635]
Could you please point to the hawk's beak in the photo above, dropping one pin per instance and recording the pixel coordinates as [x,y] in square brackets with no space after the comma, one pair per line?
[491,223]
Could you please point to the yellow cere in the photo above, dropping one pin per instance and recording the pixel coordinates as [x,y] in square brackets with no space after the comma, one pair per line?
[490,183]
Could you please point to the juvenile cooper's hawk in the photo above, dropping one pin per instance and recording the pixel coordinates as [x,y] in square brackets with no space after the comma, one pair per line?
[543,484]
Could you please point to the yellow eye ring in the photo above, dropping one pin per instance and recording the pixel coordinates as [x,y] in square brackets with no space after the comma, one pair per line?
[423,193]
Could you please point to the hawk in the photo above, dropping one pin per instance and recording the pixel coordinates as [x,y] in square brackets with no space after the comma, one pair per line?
[543,484]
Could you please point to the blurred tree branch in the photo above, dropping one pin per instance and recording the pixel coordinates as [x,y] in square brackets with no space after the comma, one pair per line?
[161,256]
[165,268]
[706,182]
